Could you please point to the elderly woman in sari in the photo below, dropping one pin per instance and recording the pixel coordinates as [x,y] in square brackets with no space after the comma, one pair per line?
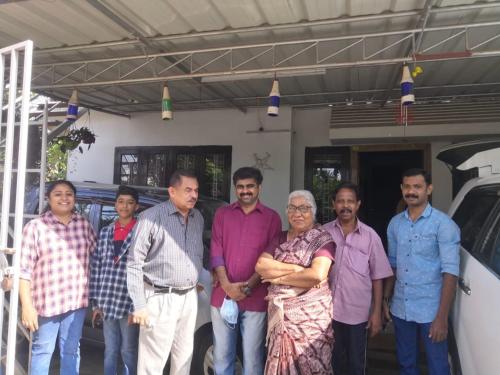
[300,334]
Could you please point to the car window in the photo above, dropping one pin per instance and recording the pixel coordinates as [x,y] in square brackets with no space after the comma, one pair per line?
[473,212]
[490,252]
[83,207]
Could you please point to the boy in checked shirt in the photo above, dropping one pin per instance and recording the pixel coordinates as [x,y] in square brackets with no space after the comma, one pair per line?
[109,295]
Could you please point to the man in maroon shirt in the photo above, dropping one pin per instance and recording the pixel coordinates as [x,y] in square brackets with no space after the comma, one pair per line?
[240,233]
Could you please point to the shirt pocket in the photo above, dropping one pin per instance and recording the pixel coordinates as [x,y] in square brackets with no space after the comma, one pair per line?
[358,261]
[426,245]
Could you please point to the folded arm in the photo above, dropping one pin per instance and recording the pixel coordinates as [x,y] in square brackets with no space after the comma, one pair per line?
[268,268]
[307,277]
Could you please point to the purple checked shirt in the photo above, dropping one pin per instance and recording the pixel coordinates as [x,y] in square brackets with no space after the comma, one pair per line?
[360,258]
[238,239]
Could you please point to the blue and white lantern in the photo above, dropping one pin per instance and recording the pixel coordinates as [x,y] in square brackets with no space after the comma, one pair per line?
[274,99]
[72,113]
[407,96]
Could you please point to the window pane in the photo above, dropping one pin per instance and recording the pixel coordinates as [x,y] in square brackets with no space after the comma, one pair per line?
[83,207]
[128,169]
[156,170]
[186,161]
[108,215]
[490,254]
[471,215]
[214,176]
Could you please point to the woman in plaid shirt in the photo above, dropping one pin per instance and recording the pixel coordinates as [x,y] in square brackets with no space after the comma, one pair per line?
[108,286]
[54,279]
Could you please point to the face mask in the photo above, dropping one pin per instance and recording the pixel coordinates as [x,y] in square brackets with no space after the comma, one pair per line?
[229,312]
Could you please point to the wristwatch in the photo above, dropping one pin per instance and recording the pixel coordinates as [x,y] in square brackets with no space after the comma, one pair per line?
[247,290]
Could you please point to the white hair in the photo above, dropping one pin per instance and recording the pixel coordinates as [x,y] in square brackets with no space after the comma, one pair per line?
[307,195]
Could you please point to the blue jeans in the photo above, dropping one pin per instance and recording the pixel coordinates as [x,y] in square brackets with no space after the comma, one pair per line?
[407,345]
[253,332]
[69,327]
[120,338]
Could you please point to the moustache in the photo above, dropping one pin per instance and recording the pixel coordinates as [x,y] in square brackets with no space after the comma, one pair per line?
[246,195]
[346,210]
[411,196]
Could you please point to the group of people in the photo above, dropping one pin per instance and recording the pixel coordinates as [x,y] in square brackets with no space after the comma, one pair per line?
[311,294]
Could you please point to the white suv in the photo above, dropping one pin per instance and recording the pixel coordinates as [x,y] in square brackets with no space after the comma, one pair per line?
[476,210]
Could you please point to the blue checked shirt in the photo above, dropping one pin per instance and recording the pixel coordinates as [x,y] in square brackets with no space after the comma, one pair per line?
[421,251]
[108,278]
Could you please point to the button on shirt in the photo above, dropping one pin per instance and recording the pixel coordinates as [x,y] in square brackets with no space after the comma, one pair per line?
[166,251]
[421,251]
[55,258]
[238,239]
[360,258]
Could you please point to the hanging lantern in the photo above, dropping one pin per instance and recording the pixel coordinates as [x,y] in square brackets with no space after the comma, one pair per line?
[166,104]
[72,113]
[274,99]
[407,96]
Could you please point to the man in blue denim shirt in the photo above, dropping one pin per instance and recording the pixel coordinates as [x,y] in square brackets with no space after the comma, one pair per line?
[424,253]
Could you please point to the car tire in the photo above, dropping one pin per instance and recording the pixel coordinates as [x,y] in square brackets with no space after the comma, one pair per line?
[203,359]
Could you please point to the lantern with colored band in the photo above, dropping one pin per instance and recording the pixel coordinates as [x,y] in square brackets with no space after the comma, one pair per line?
[407,96]
[166,105]
[274,99]
[72,113]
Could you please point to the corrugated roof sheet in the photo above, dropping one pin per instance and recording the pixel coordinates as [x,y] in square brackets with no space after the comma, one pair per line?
[74,30]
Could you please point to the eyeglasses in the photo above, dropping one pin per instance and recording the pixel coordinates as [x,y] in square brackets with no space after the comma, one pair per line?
[302,209]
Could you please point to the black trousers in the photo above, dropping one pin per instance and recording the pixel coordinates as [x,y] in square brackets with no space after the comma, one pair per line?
[349,349]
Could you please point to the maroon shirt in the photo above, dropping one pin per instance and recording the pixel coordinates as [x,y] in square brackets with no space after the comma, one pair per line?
[238,239]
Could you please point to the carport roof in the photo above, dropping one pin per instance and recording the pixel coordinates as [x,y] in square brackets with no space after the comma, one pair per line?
[118,53]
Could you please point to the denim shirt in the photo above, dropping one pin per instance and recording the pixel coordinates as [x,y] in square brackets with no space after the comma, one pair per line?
[421,251]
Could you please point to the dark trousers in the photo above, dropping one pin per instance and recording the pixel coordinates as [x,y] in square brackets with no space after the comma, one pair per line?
[349,349]
[407,346]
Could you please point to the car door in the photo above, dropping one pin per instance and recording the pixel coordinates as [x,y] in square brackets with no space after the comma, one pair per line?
[476,310]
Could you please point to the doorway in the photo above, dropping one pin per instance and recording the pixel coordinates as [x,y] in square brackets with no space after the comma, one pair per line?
[379,174]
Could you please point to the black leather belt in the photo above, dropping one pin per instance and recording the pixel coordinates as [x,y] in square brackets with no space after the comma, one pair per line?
[168,289]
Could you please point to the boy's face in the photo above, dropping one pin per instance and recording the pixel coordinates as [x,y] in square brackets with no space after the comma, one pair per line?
[126,206]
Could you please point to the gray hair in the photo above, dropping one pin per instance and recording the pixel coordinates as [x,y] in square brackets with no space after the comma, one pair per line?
[307,195]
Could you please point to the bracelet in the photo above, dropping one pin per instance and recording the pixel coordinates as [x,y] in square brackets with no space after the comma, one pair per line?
[386,300]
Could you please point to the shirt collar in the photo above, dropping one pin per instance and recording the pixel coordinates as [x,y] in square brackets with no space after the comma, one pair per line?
[171,209]
[127,227]
[358,227]
[426,213]
[259,207]
[50,218]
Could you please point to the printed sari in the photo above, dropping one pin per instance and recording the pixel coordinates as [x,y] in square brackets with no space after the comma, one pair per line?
[300,333]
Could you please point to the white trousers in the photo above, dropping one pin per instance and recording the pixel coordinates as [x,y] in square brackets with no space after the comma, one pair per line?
[173,319]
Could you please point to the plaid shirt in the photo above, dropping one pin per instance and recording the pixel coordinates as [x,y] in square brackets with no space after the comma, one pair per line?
[108,276]
[55,259]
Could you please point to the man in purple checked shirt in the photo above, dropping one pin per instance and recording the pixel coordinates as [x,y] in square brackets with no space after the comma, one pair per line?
[355,280]
[240,233]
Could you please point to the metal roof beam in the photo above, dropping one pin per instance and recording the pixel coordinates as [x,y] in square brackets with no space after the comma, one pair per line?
[205,34]
[318,48]
[129,27]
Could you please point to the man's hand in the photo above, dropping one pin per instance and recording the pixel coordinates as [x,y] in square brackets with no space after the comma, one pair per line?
[141,317]
[386,312]
[29,318]
[439,329]
[97,317]
[235,290]
[374,325]
[130,319]
[215,279]
[7,283]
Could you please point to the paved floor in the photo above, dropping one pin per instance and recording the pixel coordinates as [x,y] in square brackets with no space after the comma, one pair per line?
[381,357]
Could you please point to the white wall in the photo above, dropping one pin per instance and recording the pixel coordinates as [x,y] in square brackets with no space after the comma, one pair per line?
[195,128]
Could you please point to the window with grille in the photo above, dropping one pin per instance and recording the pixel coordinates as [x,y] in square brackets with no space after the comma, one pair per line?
[152,166]
[325,168]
